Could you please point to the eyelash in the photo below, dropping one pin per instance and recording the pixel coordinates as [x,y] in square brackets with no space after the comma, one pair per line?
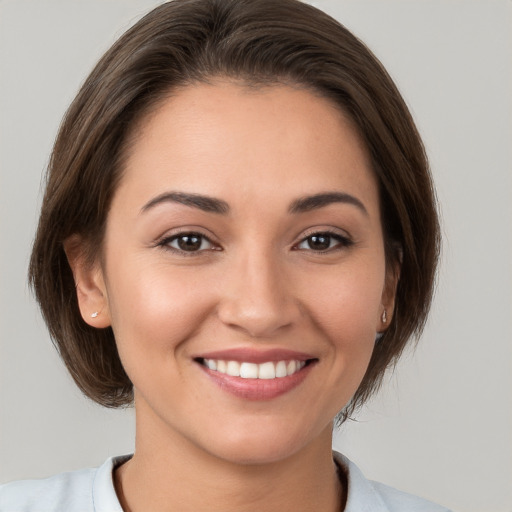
[343,241]
[165,243]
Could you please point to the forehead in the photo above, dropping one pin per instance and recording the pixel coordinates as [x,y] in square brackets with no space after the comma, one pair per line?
[222,138]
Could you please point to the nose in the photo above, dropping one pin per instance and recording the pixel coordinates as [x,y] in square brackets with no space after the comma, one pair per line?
[258,298]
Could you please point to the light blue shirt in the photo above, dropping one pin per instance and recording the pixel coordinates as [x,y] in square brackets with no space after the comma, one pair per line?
[92,490]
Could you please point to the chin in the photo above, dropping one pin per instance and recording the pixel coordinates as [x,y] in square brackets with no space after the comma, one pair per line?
[256,453]
[262,444]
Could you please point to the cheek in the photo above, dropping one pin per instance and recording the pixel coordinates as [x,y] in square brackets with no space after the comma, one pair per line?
[345,307]
[154,309]
[347,303]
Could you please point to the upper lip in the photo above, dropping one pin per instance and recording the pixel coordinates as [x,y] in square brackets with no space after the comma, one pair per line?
[257,356]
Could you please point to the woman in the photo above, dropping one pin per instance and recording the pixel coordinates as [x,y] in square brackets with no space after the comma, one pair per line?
[239,235]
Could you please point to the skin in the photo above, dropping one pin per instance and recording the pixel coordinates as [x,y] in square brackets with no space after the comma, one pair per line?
[258,284]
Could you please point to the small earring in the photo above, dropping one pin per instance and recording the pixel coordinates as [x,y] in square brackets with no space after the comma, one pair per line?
[94,315]
[384,317]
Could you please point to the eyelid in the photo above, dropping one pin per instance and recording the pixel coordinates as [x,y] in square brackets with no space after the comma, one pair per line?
[165,240]
[332,230]
[345,240]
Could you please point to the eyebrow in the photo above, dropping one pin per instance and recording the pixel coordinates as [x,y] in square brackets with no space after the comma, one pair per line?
[205,203]
[214,205]
[308,203]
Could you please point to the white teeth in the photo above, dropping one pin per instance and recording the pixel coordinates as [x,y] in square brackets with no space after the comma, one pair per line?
[233,369]
[249,371]
[281,369]
[268,370]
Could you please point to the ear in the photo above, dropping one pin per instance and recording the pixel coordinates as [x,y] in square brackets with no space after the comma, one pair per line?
[89,283]
[388,296]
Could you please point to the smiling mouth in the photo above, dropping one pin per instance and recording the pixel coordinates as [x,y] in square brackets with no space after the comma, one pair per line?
[262,371]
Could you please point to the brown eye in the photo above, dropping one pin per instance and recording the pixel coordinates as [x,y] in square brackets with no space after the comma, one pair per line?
[189,242]
[320,242]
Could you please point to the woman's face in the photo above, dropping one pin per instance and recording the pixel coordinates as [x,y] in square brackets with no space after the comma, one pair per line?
[245,236]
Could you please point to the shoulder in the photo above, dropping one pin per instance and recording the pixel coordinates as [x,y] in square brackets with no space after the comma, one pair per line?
[400,501]
[85,490]
[366,495]
[66,491]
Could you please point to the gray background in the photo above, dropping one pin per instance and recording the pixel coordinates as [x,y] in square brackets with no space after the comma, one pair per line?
[442,426]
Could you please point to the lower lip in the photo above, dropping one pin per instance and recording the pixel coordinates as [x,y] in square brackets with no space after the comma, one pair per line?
[258,389]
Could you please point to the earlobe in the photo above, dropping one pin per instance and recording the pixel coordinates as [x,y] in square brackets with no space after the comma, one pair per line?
[89,284]
[388,297]
[383,321]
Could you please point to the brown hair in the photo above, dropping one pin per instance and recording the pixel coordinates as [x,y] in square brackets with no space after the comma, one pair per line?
[258,42]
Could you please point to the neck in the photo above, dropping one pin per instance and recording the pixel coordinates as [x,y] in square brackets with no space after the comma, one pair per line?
[170,473]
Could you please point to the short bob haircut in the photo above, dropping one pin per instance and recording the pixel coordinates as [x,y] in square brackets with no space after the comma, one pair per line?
[257,43]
